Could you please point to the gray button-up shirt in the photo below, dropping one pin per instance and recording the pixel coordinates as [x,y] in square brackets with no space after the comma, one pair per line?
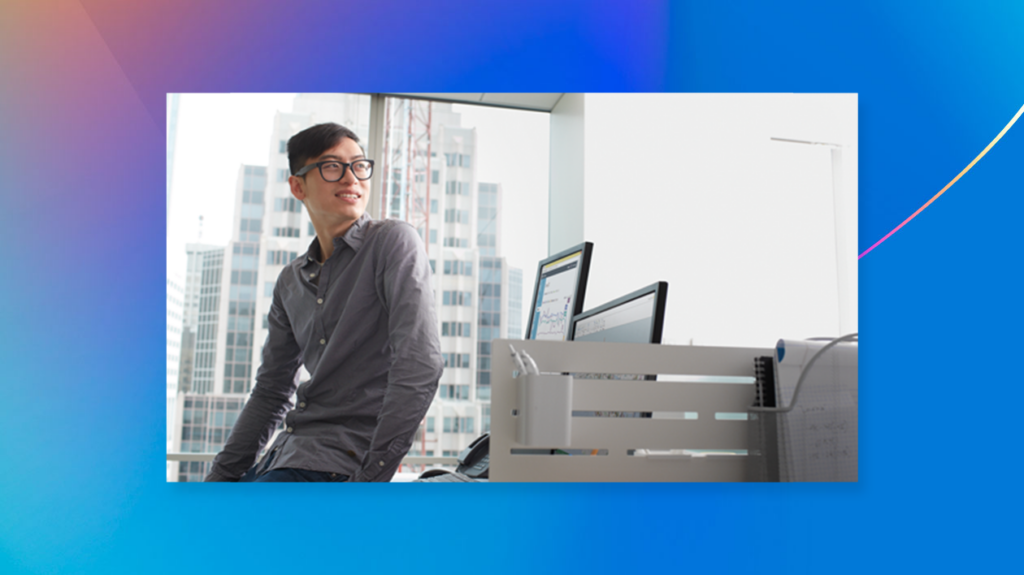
[364,326]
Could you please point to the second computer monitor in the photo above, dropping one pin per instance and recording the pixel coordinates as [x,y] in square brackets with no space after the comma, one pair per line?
[558,293]
[637,317]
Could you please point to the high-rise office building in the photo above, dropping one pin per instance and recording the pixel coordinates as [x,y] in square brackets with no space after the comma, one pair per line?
[193,283]
[219,322]
[499,298]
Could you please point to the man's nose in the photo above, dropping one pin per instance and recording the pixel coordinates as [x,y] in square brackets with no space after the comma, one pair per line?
[349,176]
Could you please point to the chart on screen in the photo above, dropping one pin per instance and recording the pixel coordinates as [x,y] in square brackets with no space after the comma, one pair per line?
[554,297]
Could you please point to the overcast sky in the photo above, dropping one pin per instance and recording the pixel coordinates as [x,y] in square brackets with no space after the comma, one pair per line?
[216,133]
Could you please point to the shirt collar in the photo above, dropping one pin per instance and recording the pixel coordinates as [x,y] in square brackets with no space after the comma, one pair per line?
[353,237]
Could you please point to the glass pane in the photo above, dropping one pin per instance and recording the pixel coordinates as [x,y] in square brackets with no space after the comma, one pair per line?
[493,161]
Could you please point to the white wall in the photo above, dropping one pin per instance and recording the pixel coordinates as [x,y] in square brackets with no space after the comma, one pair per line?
[757,238]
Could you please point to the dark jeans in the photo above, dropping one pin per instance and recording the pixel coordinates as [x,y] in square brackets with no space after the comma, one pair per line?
[259,473]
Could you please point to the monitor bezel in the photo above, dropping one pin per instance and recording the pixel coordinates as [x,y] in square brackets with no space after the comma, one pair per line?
[581,283]
[660,291]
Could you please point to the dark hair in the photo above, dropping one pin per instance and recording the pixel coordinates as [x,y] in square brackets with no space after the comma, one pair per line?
[312,142]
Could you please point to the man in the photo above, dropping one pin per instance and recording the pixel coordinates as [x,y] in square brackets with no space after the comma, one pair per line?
[358,311]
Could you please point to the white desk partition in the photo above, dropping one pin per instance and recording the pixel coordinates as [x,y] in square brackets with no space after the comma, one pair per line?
[698,431]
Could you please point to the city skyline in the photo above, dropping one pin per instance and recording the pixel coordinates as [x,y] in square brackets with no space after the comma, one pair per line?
[218,133]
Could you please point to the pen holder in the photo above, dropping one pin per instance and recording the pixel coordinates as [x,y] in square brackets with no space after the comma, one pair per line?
[545,410]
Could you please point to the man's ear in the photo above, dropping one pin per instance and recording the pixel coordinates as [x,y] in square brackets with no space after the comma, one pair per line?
[297,186]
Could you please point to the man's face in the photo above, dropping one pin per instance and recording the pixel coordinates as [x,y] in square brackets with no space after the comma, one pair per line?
[333,206]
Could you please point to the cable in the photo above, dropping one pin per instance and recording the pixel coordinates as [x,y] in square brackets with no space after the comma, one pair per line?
[519,361]
[803,374]
[530,362]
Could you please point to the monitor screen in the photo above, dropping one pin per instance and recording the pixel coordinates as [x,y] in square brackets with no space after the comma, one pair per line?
[558,293]
[637,317]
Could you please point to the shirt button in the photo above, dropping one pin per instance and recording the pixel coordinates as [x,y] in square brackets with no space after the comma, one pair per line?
[302,404]
[382,464]
[291,429]
[312,275]
[320,300]
[323,341]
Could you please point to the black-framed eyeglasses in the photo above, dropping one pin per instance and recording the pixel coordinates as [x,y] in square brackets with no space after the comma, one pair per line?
[333,170]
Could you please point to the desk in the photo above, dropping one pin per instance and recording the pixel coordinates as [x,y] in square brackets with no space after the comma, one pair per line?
[692,380]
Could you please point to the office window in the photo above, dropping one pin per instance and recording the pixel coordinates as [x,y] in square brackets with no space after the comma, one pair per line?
[456,329]
[280,257]
[250,225]
[458,268]
[287,205]
[454,216]
[463,174]
[460,298]
[430,425]
[456,360]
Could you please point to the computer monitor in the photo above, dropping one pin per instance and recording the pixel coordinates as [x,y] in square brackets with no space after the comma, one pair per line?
[637,317]
[558,293]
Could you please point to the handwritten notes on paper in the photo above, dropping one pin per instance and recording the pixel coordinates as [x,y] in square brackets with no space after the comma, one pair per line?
[818,438]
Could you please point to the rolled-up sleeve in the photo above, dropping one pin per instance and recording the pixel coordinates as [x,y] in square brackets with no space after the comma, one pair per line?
[416,364]
[270,399]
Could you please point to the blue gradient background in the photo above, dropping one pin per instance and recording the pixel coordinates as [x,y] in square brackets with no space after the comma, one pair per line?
[82,232]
